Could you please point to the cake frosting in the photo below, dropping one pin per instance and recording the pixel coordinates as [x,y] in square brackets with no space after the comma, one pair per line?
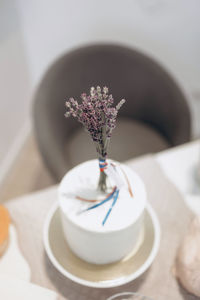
[82,182]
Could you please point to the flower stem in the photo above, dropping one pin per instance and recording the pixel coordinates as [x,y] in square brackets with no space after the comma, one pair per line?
[102,181]
[103,152]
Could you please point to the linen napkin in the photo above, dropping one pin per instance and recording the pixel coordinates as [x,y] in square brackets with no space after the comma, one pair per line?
[12,262]
[29,212]
[15,289]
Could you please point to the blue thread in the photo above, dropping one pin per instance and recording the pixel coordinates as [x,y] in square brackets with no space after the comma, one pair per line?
[102,202]
[102,163]
[110,209]
[114,195]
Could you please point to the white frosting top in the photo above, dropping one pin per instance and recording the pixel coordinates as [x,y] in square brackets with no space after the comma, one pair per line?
[82,181]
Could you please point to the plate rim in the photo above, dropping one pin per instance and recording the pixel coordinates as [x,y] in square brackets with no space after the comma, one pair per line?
[103,284]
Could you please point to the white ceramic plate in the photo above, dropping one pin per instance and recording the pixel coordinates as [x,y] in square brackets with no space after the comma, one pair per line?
[101,276]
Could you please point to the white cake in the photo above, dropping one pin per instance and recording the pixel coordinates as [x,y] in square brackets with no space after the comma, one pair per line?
[84,231]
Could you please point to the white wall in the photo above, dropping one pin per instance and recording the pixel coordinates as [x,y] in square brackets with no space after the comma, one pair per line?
[168,29]
[15,86]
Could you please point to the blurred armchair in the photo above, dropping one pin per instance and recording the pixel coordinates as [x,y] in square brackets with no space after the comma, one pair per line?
[154,117]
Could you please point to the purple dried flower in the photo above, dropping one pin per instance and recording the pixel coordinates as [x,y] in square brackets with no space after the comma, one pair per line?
[97,115]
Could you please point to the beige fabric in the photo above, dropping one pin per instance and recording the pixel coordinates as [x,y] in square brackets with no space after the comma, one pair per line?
[27,174]
[129,139]
[29,213]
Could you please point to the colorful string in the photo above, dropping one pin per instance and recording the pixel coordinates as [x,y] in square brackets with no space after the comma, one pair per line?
[110,209]
[102,164]
[103,201]
[113,195]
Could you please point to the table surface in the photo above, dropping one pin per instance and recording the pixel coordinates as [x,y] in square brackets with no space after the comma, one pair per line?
[181,165]
[27,174]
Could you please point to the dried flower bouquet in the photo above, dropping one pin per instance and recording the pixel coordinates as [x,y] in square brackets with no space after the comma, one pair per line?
[98,116]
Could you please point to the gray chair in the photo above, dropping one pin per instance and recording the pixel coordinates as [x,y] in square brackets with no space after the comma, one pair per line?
[154,117]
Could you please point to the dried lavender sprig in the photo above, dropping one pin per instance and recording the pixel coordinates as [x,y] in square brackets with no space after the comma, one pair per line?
[98,117]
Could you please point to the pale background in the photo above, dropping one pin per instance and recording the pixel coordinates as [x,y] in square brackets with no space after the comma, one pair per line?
[34,33]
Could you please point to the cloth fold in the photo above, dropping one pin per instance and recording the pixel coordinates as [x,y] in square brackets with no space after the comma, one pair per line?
[29,212]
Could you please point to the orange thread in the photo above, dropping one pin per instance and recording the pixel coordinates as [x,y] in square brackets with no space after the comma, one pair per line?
[128,183]
[92,200]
